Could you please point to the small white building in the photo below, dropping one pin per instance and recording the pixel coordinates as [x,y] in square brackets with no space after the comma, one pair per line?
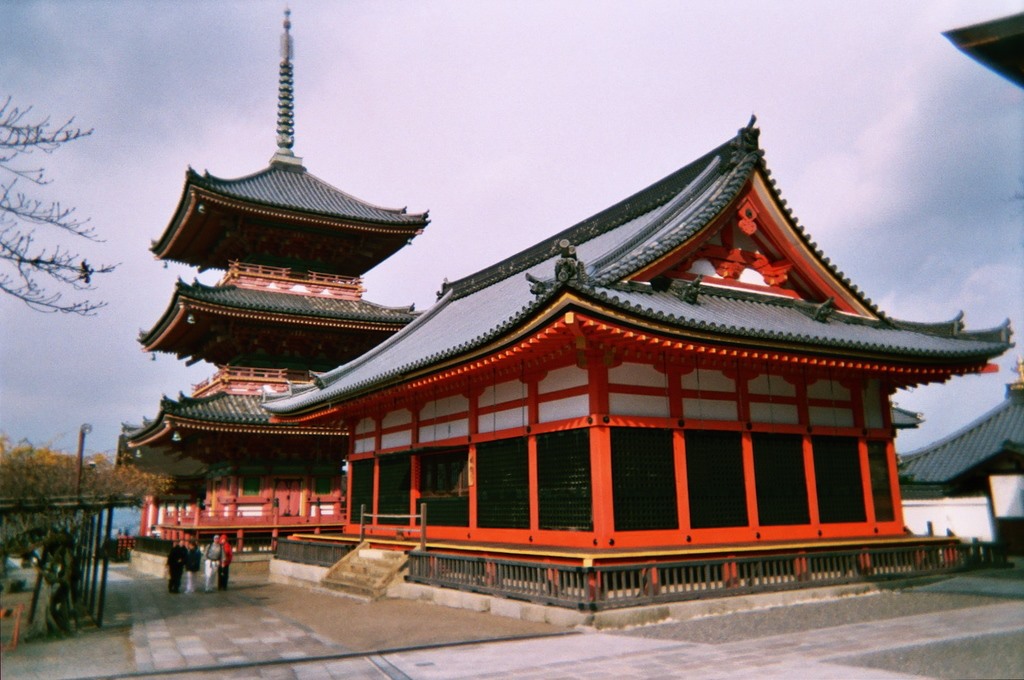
[971,483]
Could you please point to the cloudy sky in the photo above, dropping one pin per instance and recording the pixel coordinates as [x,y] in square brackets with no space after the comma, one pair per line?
[509,121]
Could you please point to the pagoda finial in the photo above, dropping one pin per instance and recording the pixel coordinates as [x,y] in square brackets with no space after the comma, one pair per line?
[286,101]
[1015,390]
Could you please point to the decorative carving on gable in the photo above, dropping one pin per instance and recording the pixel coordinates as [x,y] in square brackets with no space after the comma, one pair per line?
[729,263]
[746,216]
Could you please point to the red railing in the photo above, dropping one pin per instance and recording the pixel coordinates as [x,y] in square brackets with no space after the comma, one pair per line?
[283,279]
[248,380]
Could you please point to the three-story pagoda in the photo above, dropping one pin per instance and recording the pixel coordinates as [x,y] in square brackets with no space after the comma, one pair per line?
[293,250]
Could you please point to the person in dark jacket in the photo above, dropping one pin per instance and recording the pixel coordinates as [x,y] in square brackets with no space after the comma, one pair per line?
[176,565]
[193,563]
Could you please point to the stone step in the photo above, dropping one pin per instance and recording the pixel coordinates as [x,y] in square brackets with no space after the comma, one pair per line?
[366,572]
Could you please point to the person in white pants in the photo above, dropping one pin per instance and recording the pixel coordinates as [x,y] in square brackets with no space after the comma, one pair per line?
[214,554]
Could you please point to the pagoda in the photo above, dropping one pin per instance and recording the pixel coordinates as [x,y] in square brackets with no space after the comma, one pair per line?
[684,372]
[293,250]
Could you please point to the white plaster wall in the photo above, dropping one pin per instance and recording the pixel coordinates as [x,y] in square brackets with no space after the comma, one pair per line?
[512,390]
[827,389]
[392,439]
[638,405]
[967,518]
[704,379]
[445,430]
[365,425]
[364,445]
[709,409]
[395,418]
[447,406]
[784,414]
[830,417]
[502,420]
[631,373]
[774,385]
[872,404]
[563,378]
[571,407]
[1007,495]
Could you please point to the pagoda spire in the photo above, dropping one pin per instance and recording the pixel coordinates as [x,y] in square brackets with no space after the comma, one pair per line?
[286,101]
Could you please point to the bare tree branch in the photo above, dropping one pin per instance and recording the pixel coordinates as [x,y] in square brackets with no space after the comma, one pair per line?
[27,269]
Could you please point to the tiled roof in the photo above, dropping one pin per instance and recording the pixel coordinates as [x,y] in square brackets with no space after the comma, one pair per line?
[904,419]
[1000,429]
[311,306]
[240,410]
[223,408]
[219,408]
[613,245]
[296,189]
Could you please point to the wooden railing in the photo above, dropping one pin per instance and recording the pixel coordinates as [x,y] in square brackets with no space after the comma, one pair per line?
[284,278]
[262,514]
[304,552]
[606,587]
[249,380]
[394,530]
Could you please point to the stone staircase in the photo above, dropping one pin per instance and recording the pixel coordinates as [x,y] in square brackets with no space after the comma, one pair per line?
[365,572]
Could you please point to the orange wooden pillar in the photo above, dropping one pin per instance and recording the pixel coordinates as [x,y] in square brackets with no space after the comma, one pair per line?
[812,486]
[749,483]
[601,486]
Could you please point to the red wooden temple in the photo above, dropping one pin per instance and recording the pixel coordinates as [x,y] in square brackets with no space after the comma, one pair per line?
[685,371]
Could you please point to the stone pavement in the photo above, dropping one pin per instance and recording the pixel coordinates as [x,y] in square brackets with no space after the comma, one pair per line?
[965,626]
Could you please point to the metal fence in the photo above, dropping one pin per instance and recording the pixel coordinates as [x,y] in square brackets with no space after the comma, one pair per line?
[307,552]
[606,587]
[153,546]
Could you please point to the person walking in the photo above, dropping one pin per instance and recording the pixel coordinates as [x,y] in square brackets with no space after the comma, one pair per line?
[175,565]
[214,554]
[222,573]
[193,562]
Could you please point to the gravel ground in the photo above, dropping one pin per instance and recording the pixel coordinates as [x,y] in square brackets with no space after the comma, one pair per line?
[992,656]
[810,616]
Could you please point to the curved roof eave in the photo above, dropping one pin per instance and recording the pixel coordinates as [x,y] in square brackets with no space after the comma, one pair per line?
[304,193]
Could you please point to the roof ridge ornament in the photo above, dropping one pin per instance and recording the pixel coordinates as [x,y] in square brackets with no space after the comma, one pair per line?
[689,290]
[286,102]
[823,311]
[746,141]
[568,268]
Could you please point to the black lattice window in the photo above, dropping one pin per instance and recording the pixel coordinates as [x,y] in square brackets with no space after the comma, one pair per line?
[444,487]
[838,480]
[503,484]
[362,487]
[250,486]
[881,487]
[714,479]
[393,489]
[643,479]
[780,479]
[322,486]
[563,481]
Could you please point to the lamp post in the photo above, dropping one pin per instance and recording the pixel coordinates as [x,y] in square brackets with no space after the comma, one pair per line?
[85,429]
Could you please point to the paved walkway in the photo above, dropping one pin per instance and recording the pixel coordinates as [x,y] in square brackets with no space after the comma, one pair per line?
[968,626]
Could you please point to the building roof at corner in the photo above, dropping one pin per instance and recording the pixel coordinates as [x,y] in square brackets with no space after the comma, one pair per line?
[998,44]
[999,430]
